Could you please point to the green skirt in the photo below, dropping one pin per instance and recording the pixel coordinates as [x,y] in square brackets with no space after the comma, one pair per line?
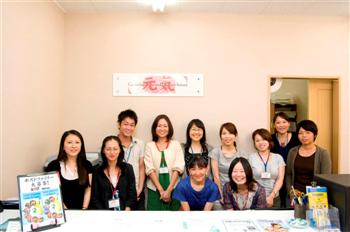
[154,203]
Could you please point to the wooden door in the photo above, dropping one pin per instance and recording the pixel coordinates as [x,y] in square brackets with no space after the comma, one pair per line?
[323,102]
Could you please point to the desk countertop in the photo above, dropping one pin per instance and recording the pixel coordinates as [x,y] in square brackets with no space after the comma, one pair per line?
[91,220]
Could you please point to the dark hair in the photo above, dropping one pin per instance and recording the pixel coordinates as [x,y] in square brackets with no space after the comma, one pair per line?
[308,125]
[198,123]
[281,115]
[199,161]
[250,181]
[230,127]
[127,114]
[155,124]
[103,155]
[265,134]
[81,158]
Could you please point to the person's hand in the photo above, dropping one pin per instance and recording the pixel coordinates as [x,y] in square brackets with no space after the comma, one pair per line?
[166,195]
[269,201]
[138,192]
[222,201]
[161,193]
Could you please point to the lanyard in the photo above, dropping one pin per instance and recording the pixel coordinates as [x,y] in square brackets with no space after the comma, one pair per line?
[129,149]
[128,156]
[265,163]
[244,202]
[113,189]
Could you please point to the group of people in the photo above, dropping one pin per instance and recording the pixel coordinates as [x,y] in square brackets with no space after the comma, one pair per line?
[193,175]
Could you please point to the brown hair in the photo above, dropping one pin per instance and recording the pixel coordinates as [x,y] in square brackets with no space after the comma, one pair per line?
[230,127]
[155,124]
[265,134]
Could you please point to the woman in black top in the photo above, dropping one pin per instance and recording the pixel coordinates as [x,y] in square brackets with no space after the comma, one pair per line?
[74,169]
[283,140]
[196,142]
[113,184]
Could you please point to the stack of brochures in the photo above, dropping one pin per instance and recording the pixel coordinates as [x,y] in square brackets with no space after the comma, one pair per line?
[319,213]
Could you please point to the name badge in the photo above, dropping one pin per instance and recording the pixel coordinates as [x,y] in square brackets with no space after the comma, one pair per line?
[265,175]
[163,170]
[114,203]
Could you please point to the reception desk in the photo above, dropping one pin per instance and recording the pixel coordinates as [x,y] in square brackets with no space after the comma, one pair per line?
[215,221]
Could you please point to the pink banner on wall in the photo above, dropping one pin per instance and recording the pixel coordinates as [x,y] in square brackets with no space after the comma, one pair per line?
[144,84]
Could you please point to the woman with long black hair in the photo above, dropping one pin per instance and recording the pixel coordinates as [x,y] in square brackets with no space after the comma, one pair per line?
[74,169]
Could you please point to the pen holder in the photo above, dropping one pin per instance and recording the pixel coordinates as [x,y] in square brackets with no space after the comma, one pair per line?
[300,211]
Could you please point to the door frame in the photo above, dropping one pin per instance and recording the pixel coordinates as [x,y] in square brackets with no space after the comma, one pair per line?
[329,78]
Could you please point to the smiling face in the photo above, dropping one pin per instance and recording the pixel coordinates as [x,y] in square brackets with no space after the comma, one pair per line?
[260,143]
[281,125]
[162,129]
[127,127]
[227,138]
[238,174]
[112,150]
[198,174]
[72,145]
[306,137]
[196,133]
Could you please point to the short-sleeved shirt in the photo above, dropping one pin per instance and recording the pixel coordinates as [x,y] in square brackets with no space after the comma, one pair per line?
[196,199]
[224,162]
[274,162]
[133,154]
[72,191]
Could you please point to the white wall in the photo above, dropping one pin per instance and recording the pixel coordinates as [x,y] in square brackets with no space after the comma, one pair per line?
[32,70]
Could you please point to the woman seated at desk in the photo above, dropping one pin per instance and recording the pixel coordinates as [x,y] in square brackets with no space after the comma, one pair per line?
[196,191]
[74,169]
[243,192]
[113,184]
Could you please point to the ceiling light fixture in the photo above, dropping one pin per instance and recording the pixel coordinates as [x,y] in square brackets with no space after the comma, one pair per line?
[158,5]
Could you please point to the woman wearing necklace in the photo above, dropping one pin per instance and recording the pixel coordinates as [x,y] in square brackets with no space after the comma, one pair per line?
[242,191]
[221,157]
[113,183]
[164,162]
[268,168]
[196,191]
[283,141]
[74,169]
[306,160]
[196,143]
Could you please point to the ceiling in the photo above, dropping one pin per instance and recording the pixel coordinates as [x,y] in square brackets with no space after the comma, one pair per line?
[262,7]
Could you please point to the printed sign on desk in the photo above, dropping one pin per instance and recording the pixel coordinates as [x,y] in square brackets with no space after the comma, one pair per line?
[140,84]
[40,201]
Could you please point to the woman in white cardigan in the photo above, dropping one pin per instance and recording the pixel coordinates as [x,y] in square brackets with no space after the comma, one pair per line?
[164,162]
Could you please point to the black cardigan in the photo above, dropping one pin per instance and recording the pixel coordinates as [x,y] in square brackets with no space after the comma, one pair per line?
[101,191]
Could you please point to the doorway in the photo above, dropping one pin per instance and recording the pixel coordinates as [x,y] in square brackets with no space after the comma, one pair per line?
[316,99]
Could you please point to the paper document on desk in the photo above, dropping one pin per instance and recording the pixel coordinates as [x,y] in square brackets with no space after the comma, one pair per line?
[236,225]
[273,225]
